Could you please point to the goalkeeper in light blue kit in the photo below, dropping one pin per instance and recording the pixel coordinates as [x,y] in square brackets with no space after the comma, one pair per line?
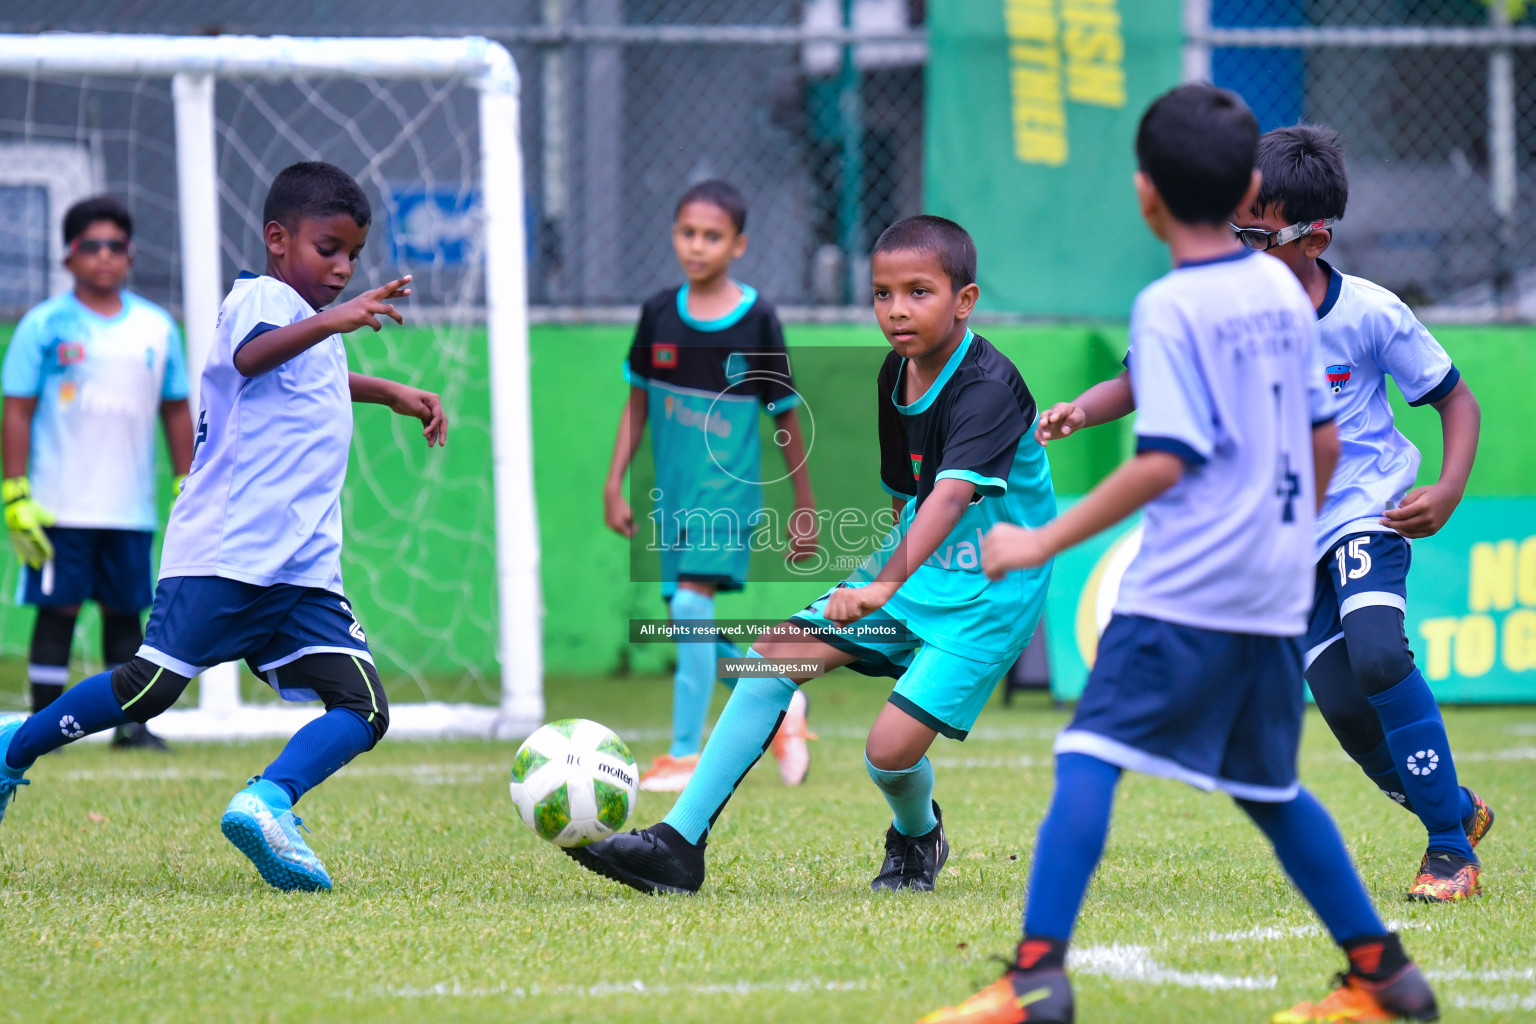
[86,375]
[251,567]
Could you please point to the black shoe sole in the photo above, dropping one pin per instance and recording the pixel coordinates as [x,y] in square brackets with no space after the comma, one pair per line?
[597,865]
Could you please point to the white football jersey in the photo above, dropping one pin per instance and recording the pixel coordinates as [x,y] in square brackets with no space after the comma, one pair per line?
[1365,335]
[263,502]
[1225,373]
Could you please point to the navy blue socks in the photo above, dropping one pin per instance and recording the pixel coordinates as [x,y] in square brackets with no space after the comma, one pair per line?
[909,791]
[1070,844]
[317,751]
[86,707]
[1422,755]
[740,737]
[1313,854]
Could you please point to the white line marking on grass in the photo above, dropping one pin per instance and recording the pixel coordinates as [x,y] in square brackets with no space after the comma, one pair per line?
[1512,974]
[421,774]
[1135,963]
[1497,1003]
[1270,933]
[452,989]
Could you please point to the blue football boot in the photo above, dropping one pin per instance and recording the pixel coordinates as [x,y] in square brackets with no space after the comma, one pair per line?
[270,838]
[10,778]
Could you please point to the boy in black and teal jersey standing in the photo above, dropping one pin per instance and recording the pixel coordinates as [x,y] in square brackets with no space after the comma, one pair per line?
[707,356]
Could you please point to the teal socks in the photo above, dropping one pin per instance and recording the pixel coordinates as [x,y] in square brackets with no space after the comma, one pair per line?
[694,682]
[910,794]
[740,737]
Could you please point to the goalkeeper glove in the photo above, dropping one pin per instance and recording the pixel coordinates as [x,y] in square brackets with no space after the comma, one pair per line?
[176,485]
[25,519]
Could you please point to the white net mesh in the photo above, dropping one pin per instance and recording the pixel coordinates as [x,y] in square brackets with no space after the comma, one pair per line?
[420,553]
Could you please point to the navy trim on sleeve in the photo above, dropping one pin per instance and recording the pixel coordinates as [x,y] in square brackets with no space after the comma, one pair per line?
[1323,422]
[256,332]
[1188,455]
[1445,387]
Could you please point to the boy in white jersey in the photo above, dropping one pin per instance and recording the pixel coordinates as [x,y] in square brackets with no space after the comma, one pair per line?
[1198,676]
[1359,665]
[252,561]
[86,375]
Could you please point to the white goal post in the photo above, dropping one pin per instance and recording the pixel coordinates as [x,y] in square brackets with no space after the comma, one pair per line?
[194,64]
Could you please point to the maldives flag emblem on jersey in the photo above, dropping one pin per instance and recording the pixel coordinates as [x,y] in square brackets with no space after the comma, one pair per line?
[71,353]
[917,466]
[664,355]
[1338,376]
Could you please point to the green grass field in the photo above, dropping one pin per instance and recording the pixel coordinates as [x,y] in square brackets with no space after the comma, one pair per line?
[119,899]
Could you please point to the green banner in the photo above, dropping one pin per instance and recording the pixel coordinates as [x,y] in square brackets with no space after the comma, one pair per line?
[1471,604]
[1031,114]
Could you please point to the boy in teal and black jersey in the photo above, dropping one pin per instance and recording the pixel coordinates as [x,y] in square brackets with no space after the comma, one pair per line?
[957,459]
[707,356]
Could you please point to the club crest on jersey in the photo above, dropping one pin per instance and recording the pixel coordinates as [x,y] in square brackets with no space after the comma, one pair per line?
[664,355]
[71,353]
[1338,376]
[917,466]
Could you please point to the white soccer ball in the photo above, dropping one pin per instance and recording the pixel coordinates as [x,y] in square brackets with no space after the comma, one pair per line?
[574,782]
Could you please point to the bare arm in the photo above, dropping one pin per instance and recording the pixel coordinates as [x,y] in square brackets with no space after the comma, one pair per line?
[1426,509]
[1105,401]
[274,348]
[934,521]
[802,524]
[16,428]
[176,418]
[1325,458]
[404,400]
[616,511]
[1127,489]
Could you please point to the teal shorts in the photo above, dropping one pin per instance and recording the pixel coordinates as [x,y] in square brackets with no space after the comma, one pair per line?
[943,690]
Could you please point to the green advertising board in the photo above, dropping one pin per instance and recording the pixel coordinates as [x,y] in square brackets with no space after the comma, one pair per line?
[1471,604]
[1032,108]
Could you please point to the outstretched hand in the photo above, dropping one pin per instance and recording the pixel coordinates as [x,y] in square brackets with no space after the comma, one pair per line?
[1058,421]
[424,406]
[364,310]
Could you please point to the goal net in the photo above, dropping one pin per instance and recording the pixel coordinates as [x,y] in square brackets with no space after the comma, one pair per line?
[441,549]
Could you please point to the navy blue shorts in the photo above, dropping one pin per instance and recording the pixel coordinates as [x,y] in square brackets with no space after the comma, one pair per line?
[1362,570]
[1216,710]
[110,567]
[200,621]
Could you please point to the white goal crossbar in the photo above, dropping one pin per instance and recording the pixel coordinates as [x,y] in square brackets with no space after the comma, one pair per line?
[194,63]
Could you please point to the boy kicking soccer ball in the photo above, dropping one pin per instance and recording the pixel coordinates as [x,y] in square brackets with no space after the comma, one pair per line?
[1198,676]
[705,358]
[956,457]
[86,374]
[252,561]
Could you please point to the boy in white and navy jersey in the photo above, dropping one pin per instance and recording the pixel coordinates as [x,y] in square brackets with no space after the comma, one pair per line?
[1359,664]
[251,567]
[1358,661]
[1199,674]
[86,376]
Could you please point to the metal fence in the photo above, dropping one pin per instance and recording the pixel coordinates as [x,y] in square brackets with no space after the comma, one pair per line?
[814,109]
[1436,100]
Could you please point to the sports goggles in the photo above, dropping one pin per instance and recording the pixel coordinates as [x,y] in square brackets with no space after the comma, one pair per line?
[1262,241]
